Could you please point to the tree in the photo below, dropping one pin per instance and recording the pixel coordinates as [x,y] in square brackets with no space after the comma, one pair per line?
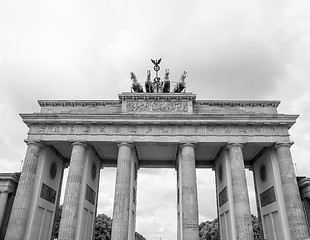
[103,227]
[256,228]
[209,230]
[57,221]
[138,236]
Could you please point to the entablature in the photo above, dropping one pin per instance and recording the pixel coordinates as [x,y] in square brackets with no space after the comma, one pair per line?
[160,119]
[156,103]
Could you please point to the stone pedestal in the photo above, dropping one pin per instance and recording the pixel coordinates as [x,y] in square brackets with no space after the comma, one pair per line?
[188,193]
[20,210]
[241,203]
[69,216]
[120,225]
[295,212]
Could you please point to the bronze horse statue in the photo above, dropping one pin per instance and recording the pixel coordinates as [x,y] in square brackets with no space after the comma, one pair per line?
[148,83]
[180,86]
[136,86]
[166,87]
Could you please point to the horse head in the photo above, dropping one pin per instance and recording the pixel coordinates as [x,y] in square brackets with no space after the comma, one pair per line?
[167,75]
[148,75]
[182,79]
[133,77]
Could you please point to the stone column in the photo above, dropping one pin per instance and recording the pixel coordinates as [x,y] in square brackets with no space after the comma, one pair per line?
[189,193]
[3,200]
[70,208]
[295,212]
[120,224]
[23,198]
[241,202]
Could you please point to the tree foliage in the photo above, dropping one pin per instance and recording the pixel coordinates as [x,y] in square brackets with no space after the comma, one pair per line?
[209,230]
[138,236]
[103,227]
[256,228]
[57,221]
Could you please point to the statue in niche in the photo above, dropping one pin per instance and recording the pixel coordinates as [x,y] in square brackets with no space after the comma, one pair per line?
[136,86]
[166,87]
[180,86]
[148,83]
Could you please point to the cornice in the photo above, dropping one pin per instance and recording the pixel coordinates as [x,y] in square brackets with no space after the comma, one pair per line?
[149,96]
[241,103]
[197,119]
[77,103]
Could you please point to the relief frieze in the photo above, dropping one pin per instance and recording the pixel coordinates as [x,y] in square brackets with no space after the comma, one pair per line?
[156,106]
[157,129]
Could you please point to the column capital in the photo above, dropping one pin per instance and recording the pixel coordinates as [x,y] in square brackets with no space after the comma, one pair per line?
[283,144]
[124,143]
[79,143]
[38,143]
[186,144]
[234,144]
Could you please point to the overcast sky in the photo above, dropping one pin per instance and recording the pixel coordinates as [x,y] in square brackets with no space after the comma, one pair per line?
[86,49]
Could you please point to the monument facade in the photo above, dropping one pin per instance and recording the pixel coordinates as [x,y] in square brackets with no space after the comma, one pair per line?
[161,129]
[141,130]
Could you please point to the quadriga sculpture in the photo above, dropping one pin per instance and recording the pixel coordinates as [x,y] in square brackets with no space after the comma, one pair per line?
[148,83]
[166,87]
[180,86]
[136,86]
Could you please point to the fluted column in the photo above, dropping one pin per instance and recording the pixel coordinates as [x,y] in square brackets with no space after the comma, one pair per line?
[70,208]
[295,213]
[3,201]
[241,202]
[23,198]
[189,193]
[120,224]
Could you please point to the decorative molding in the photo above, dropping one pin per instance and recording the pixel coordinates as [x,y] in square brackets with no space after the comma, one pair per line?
[156,106]
[157,96]
[77,103]
[239,103]
[158,130]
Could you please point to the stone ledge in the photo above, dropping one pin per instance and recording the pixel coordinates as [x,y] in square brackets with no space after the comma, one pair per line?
[241,103]
[157,96]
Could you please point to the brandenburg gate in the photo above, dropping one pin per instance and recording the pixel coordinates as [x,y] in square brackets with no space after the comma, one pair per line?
[161,130]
